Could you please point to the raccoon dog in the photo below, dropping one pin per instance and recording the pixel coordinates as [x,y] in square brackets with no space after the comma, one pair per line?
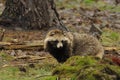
[61,45]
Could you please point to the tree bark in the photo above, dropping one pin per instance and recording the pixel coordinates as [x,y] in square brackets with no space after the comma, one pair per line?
[31,14]
[117,2]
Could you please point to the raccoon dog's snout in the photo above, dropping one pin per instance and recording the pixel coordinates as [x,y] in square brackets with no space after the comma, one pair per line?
[59,44]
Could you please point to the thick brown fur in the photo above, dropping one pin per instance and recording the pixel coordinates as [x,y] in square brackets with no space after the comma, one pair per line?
[62,45]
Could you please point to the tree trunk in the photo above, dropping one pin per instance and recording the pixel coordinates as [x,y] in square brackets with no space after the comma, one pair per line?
[31,14]
[117,2]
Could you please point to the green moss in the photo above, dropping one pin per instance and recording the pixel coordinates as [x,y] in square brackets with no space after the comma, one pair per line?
[9,73]
[72,66]
[110,38]
[37,73]
[6,56]
[81,61]
[40,71]
[98,72]
[86,68]
[89,2]
[49,78]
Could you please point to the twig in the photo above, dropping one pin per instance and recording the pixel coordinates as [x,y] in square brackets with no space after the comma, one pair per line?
[38,76]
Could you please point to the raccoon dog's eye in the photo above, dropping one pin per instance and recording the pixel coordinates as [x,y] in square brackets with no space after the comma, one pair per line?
[53,42]
[56,41]
[64,42]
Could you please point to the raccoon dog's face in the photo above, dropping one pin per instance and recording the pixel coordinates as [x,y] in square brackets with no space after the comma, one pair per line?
[57,39]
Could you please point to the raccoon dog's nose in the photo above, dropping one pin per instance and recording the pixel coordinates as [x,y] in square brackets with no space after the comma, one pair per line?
[59,45]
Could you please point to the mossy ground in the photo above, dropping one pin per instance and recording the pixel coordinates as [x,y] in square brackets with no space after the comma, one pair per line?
[110,38]
[10,70]
[14,73]
[87,68]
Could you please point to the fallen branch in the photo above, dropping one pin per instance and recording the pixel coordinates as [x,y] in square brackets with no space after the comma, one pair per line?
[111,48]
[29,45]
[38,76]
[30,57]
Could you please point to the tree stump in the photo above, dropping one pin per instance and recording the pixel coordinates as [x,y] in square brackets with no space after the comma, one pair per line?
[31,14]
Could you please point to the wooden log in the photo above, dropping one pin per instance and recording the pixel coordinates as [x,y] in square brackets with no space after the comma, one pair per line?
[28,45]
